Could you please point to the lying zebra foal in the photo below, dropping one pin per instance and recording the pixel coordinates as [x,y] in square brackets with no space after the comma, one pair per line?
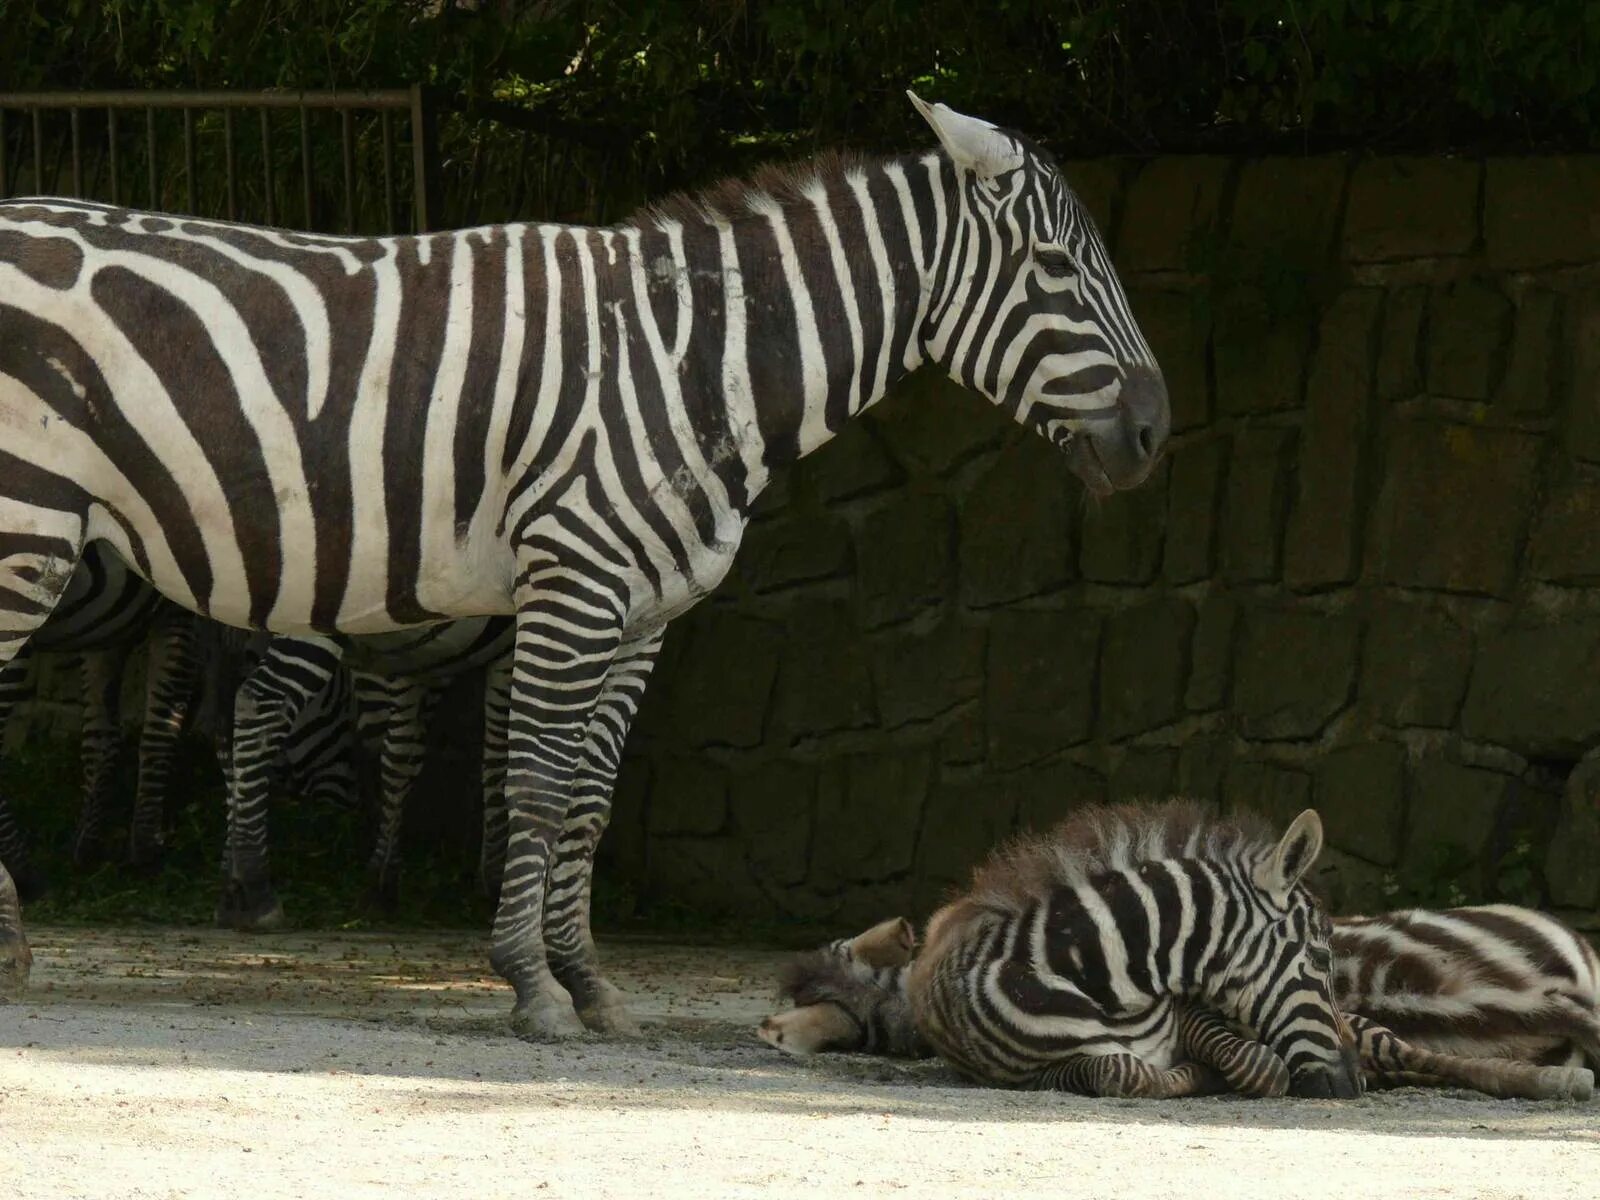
[1473,1014]
[15,957]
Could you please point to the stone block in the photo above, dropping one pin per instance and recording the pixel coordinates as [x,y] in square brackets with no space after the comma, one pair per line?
[1194,501]
[1360,794]
[1565,547]
[623,849]
[1211,660]
[1572,865]
[854,464]
[1400,348]
[868,812]
[687,796]
[1452,819]
[1178,329]
[796,548]
[904,558]
[1295,672]
[1145,773]
[1122,534]
[1016,527]
[1277,793]
[1325,525]
[772,813]
[1173,198]
[963,823]
[1439,472]
[1348,884]
[723,685]
[1469,333]
[932,425]
[1583,401]
[1528,386]
[1258,495]
[1049,793]
[1260,351]
[1039,676]
[1142,667]
[1537,690]
[1288,207]
[962,744]
[824,686]
[707,875]
[1416,665]
[1541,212]
[1411,208]
[1203,764]
[922,677]
[1097,182]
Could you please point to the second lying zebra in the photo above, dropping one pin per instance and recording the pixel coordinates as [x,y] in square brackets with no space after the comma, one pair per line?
[1468,989]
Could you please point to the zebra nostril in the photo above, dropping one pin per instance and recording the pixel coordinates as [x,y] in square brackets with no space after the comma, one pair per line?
[1147,441]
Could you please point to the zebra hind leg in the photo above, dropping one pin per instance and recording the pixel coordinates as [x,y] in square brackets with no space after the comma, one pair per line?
[169,688]
[1389,1061]
[1127,1077]
[102,742]
[15,958]
[496,712]
[405,707]
[1247,1067]
[16,686]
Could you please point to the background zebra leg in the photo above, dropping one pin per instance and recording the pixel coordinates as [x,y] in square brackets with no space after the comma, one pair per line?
[496,708]
[405,707]
[1391,1062]
[169,687]
[559,666]
[15,957]
[16,686]
[1247,1067]
[1126,1077]
[264,711]
[102,739]
[568,938]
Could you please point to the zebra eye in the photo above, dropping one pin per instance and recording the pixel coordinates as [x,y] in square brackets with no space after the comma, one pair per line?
[1057,263]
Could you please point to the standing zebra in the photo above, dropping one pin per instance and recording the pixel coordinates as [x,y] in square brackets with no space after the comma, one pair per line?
[106,613]
[565,424]
[15,958]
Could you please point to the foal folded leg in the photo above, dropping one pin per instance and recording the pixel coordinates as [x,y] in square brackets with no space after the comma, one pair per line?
[1388,1061]
[1127,1077]
[1247,1067]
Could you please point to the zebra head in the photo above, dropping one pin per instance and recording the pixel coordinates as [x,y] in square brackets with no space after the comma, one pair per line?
[1279,980]
[1027,309]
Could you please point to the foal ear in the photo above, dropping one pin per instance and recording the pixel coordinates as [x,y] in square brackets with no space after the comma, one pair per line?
[1293,855]
[887,944]
[973,143]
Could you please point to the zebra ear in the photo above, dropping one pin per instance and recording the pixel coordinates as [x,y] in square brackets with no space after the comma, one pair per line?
[1293,855]
[974,144]
[887,944]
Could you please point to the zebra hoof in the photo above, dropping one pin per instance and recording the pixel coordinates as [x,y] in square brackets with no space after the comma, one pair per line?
[1566,1083]
[249,909]
[609,1015]
[546,1017]
[16,960]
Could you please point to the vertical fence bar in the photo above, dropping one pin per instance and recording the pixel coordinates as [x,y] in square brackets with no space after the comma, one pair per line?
[266,161]
[388,173]
[111,155]
[229,164]
[424,179]
[5,156]
[347,152]
[38,153]
[150,151]
[75,118]
[190,184]
[305,164]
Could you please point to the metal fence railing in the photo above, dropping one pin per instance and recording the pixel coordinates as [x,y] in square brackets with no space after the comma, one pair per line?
[120,146]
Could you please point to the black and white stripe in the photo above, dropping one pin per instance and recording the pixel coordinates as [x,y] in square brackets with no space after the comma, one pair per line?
[319,435]
[15,957]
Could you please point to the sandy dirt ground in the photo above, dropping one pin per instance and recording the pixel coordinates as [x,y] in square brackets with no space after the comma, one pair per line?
[187,1064]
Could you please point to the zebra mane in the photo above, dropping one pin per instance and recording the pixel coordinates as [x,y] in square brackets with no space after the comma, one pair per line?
[779,183]
[1102,837]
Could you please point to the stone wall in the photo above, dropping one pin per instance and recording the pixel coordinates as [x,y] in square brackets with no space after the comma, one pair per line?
[1363,579]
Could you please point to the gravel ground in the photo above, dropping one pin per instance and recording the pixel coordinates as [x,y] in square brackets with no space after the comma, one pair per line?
[181,1063]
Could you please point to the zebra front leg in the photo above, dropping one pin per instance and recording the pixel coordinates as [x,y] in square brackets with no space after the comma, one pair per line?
[1127,1077]
[102,738]
[171,672]
[264,710]
[403,708]
[16,687]
[15,958]
[1389,1061]
[564,648]
[496,711]
[568,938]
[1247,1067]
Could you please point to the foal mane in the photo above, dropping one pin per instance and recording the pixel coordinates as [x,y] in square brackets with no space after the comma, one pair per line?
[1102,837]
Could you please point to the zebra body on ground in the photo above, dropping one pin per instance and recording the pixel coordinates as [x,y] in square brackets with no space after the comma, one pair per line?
[15,958]
[569,425]
[105,614]
[1501,999]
